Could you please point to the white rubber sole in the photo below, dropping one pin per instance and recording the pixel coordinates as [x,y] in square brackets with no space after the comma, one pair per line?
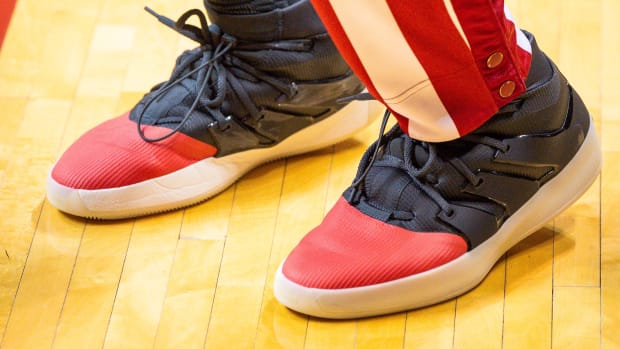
[204,179]
[461,274]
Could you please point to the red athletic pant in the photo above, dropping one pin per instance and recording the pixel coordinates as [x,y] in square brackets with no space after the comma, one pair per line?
[443,67]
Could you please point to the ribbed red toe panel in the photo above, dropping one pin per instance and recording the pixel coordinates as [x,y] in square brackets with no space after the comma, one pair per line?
[113,155]
[350,249]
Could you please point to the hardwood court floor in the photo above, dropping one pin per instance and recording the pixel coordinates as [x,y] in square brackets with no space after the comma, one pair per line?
[203,276]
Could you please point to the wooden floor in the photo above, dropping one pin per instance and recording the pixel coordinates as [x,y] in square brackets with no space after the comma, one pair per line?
[203,277]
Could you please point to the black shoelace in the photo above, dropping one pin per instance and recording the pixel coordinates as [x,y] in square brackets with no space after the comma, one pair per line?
[422,175]
[210,65]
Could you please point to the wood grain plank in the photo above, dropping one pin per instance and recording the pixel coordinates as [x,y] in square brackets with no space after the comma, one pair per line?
[22,195]
[90,295]
[245,258]
[528,305]
[479,313]
[576,319]
[381,332]
[301,209]
[610,194]
[187,306]
[144,281]
[577,255]
[41,295]
[431,327]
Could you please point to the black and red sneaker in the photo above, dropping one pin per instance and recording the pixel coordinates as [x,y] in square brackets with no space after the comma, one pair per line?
[260,87]
[423,222]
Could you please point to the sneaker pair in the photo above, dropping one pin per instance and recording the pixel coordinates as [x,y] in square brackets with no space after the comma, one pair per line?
[421,223]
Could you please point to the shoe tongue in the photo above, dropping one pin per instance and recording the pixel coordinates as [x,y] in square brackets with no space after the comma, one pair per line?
[388,186]
[161,111]
[396,148]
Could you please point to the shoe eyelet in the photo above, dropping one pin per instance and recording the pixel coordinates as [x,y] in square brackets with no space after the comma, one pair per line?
[479,183]
[450,213]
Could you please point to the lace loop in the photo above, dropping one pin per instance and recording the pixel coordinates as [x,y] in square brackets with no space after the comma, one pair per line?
[209,65]
[200,35]
[203,85]
[423,175]
[375,150]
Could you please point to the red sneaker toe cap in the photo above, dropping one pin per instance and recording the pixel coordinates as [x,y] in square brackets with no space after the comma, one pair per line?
[350,249]
[113,155]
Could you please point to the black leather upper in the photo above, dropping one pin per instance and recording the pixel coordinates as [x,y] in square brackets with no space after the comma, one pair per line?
[471,185]
[238,94]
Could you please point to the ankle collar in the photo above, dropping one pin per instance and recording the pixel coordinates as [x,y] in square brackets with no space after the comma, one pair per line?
[293,22]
